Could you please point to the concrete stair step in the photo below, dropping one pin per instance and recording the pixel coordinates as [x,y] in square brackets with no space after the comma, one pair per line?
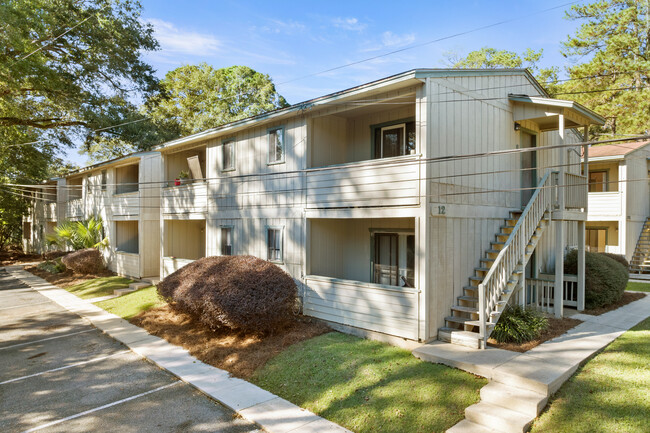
[498,418]
[462,338]
[139,285]
[527,402]
[120,292]
[467,426]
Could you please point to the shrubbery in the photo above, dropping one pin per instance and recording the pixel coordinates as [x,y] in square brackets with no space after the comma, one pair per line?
[619,258]
[88,261]
[52,266]
[605,277]
[238,292]
[519,325]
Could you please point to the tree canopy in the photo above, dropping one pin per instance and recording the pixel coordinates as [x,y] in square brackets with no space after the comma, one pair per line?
[614,37]
[492,58]
[67,67]
[198,97]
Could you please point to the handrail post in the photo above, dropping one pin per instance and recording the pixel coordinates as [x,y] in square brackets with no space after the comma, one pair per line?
[481,315]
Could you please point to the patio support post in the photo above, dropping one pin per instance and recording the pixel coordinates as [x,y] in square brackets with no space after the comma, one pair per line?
[582,226]
[558,292]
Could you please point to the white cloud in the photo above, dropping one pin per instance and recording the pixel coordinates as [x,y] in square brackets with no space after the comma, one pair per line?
[352,24]
[179,41]
[287,27]
[390,39]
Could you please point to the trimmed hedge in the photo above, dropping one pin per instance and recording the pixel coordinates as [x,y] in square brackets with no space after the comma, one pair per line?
[619,258]
[238,292]
[605,278]
[87,261]
[519,325]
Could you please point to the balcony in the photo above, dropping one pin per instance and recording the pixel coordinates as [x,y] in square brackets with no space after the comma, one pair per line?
[74,209]
[387,182]
[126,204]
[50,211]
[575,196]
[605,205]
[185,199]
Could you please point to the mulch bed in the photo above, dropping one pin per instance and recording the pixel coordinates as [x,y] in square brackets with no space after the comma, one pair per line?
[13,256]
[625,299]
[66,278]
[238,353]
[556,327]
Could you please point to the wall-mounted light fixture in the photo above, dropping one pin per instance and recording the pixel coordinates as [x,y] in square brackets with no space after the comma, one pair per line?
[517,126]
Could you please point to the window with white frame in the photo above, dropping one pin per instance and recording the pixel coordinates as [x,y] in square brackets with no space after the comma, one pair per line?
[395,140]
[228,155]
[104,179]
[226,241]
[274,244]
[276,145]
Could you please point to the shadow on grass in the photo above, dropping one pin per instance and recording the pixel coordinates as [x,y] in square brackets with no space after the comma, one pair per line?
[99,287]
[369,386]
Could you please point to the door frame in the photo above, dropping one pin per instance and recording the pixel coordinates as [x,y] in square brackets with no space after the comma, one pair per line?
[534,136]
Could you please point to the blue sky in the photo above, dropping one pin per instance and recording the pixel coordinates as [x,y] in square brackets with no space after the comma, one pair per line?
[292,39]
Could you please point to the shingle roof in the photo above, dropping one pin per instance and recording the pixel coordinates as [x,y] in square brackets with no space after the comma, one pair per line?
[615,149]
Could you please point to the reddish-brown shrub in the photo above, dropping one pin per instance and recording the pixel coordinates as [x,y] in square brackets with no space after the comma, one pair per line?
[88,261]
[238,292]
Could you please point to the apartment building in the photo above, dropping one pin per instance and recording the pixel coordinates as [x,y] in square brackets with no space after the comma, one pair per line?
[413,207]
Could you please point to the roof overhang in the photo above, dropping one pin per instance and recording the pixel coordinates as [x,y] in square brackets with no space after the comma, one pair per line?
[605,158]
[546,111]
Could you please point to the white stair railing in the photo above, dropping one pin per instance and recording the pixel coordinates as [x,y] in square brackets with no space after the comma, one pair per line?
[513,253]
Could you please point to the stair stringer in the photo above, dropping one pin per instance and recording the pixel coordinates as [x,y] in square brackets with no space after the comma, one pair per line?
[640,262]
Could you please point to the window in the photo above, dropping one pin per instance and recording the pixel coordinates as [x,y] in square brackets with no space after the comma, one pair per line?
[276,145]
[27,230]
[228,155]
[394,259]
[104,179]
[226,241]
[88,185]
[395,140]
[598,181]
[274,243]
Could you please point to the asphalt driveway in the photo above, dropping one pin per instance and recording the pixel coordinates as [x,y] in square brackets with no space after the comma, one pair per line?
[60,374]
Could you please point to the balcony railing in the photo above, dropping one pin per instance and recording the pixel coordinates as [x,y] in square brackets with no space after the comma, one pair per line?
[605,204]
[376,183]
[575,195]
[50,211]
[185,199]
[126,204]
[74,208]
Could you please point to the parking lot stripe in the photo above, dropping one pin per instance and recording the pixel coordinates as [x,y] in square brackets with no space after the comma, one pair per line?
[86,412]
[26,305]
[47,339]
[99,358]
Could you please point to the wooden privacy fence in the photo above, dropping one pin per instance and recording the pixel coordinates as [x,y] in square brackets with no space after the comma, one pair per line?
[540,291]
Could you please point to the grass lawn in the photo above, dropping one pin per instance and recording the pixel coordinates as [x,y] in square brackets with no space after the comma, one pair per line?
[608,394]
[131,304]
[99,287]
[639,287]
[367,386]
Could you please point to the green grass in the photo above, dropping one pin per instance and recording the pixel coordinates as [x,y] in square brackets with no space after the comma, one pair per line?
[131,304]
[639,287]
[99,287]
[608,394]
[368,386]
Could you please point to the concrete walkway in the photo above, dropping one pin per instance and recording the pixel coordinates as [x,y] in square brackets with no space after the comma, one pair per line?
[521,383]
[267,410]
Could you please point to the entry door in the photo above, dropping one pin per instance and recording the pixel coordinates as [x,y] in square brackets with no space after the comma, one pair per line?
[386,258]
[528,168]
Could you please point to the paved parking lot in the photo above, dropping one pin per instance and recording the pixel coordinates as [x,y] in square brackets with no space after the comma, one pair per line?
[60,374]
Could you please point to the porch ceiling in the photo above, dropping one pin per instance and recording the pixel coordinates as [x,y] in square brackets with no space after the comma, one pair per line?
[545,112]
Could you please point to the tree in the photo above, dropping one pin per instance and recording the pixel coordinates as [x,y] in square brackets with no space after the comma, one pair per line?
[68,66]
[198,97]
[491,58]
[614,37]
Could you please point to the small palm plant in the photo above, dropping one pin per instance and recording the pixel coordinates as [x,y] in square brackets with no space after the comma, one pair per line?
[79,235]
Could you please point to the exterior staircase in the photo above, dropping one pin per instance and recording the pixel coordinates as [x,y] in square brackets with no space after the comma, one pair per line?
[500,274]
[640,263]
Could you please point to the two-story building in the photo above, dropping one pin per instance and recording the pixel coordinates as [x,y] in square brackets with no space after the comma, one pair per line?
[414,206]
[619,201]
